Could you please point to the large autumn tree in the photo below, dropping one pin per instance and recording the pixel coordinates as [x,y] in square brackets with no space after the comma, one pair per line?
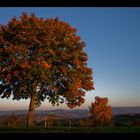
[100,112]
[43,58]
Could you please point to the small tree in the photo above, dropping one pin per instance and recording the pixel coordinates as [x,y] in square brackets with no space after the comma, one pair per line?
[86,123]
[43,58]
[100,112]
[51,120]
[13,120]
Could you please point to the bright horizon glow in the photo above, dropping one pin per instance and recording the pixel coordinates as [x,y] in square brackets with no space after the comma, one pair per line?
[112,37]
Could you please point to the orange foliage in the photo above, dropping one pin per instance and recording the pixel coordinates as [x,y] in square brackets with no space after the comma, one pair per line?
[25,65]
[100,112]
[8,76]
[44,51]
[16,73]
[45,64]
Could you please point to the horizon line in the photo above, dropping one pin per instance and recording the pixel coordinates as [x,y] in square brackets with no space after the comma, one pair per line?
[68,109]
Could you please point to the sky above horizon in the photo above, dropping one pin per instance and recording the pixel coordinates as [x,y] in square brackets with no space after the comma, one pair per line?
[112,37]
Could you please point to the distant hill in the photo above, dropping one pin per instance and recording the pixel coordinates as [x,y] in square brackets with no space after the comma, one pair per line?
[125,110]
[75,113]
[18,112]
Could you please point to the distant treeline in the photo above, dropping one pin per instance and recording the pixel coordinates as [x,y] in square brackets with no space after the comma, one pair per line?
[75,112]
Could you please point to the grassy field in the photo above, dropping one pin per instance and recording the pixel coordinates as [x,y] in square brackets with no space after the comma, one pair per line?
[6,129]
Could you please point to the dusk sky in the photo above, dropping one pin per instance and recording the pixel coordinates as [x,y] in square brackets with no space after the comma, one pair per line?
[112,37]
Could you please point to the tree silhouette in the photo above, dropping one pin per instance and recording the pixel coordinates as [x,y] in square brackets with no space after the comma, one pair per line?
[43,58]
[100,112]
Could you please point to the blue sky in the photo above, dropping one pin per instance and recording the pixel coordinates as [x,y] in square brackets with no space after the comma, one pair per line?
[112,36]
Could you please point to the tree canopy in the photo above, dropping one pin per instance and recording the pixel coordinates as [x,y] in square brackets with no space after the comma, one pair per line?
[45,58]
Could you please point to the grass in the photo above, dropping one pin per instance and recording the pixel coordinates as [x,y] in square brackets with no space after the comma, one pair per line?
[40,129]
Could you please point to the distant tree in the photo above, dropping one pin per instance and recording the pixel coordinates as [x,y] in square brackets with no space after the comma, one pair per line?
[51,120]
[13,120]
[100,112]
[86,123]
[137,122]
[43,58]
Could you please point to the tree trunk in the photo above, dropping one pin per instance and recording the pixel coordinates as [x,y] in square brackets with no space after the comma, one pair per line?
[30,111]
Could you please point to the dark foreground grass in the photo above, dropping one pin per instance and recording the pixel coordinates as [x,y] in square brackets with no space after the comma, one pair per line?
[39,129]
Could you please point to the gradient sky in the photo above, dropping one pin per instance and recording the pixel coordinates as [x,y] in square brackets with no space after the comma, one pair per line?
[112,36]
